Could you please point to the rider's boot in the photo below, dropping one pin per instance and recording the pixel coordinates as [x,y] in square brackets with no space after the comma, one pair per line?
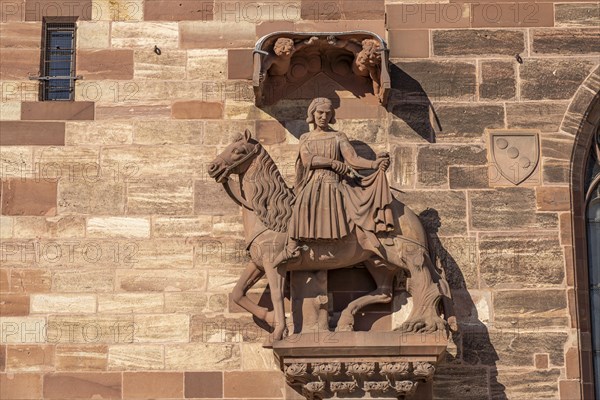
[289,253]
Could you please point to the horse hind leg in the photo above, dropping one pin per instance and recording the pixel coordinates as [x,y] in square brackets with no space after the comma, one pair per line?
[249,278]
[384,278]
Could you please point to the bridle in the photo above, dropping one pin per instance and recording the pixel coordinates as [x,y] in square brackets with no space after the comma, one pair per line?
[237,197]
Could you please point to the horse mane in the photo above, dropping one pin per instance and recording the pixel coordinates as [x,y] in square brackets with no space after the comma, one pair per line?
[273,200]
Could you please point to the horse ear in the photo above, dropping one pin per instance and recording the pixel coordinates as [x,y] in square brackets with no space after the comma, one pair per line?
[247,135]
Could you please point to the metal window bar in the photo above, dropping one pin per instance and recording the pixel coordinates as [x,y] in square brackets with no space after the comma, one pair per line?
[58,58]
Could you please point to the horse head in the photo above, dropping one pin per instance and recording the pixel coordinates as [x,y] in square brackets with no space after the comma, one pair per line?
[235,159]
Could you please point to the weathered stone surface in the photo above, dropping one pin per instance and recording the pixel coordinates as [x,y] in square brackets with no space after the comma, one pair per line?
[158,254]
[164,10]
[555,171]
[30,358]
[100,194]
[463,123]
[21,386]
[10,111]
[541,361]
[136,357]
[458,256]
[459,42]
[538,384]
[260,383]
[118,10]
[223,329]
[14,304]
[521,15]
[440,80]
[164,197]
[85,280]
[433,161]
[155,112]
[57,110]
[211,199]
[216,35]
[160,328]
[194,109]
[530,308]
[404,167]
[93,34]
[84,329]
[63,303]
[81,357]
[30,280]
[255,358]
[144,385]
[471,177]
[577,15]
[36,10]
[168,132]
[508,209]
[203,357]
[207,64]
[546,116]
[438,15]
[409,43]
[126,303]
[160,280]
[448,207]
[20,35]
[166,227]
[524,261]
[458,383]
[98,133]
[69,385]
[552,79]
[67,226]
[183,303]
[105,64]
[169,65]
[203,384]
[145,34]
[23,330]
[28,133]
[118,227]
[28,197]
[498,80]
[565,41]
[553,198]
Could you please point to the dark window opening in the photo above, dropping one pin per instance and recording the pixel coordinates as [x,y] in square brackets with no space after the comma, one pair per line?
[58,60]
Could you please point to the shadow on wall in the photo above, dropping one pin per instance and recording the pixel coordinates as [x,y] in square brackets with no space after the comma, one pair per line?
[475,353]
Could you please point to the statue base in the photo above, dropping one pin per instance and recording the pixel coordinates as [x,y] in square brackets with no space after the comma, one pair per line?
[383,365]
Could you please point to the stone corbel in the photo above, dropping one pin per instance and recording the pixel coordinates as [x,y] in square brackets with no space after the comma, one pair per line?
[285,61]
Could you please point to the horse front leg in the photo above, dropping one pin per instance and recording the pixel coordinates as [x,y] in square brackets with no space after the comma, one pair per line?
[249,278]
[276,278]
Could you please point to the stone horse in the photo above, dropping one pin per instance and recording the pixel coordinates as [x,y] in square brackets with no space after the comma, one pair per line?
[267,207]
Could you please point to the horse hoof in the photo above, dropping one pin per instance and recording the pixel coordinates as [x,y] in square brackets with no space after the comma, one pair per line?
[344,328]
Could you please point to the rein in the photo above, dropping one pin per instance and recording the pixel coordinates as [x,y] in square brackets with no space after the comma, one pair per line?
[237,195]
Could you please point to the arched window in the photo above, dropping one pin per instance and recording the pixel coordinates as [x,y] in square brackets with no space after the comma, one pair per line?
[593,242]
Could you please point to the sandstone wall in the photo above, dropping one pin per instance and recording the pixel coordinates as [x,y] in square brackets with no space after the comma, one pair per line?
[118,251]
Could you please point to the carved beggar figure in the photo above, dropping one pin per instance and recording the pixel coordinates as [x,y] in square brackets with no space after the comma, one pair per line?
[356,216]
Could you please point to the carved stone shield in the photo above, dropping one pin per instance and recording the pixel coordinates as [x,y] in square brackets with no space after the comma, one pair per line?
[515,153]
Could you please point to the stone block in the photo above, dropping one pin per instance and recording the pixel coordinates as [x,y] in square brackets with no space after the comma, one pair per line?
[90,357]
[88,280]
[14,304]
[99,195]
[30,280]
[105,64]
[136,357]
[126,303]
[471,177]
[546,116]
[254,384]
[28,197]
[211,199]
[223,329]
[157,196]
[70,385]
[169,65]
[118,227]
[521,261]
[2,358]
[451,382]
[449,209]
[168,132]
[576,15]
[359,10]
[210,64]
[553,198]
[161,328]
[84,329]
[311,25]
[555,172]
[541,361]
[530,308]
[67,226]
[195,109]
[63,303]
[111,112]
[26,358]
[565,41]
[537,385]
[256,358]
[458,256]
[145,35]
[183,303]
[165,10]
[507,15]
[404,167]
[170,227]
[160,280]
[433,161]
[36,10]
[424,16]
[160,254]
[20,35]
[409,43]
[216,35]
[552,79]
[26,133]
[18,64]
[57,110]
[98,133]
[93,34]
[118,10]
[23,330]
[5,280]
[467,42]
[240,64]
[10,111]
[441,80]
[204,385]
[203,357]
[320,11]
[21,386]
[498,80]
[508,209]
[462,123]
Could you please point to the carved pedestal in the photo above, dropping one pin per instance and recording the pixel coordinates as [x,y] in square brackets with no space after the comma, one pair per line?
[384,365]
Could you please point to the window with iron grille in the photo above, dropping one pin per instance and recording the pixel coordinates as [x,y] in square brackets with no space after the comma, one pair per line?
[58,59]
